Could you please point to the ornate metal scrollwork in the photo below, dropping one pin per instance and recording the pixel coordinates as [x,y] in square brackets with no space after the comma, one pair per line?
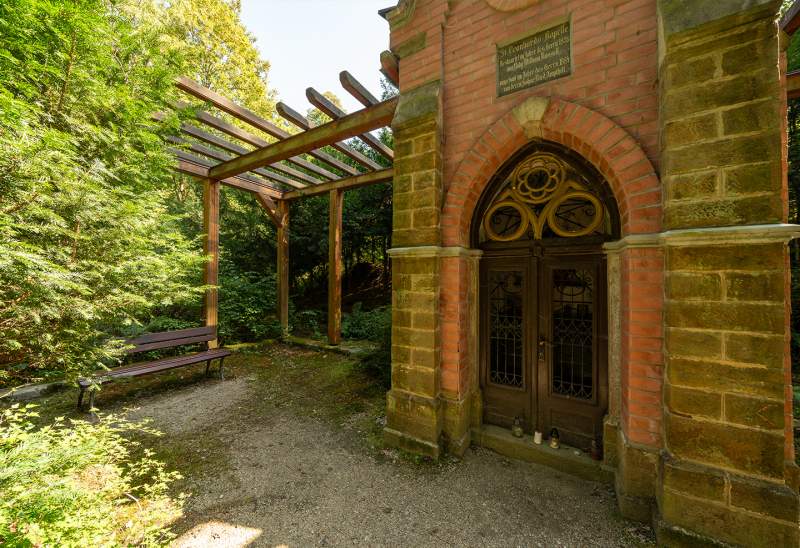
[543,192]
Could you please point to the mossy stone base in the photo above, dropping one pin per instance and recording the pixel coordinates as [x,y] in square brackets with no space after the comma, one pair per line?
[564,459]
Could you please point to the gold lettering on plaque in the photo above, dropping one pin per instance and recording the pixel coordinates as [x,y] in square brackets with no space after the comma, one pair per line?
[535,59]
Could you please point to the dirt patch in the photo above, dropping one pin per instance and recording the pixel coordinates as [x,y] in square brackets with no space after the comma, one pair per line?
[287,451]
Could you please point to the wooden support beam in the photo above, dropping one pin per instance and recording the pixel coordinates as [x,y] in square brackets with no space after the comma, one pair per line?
[226,105]
[335,266]
[270,207]
[212,139]
[282,245]
[327,106]
[353,124]
[390,67]
[348,183]
[356,89]
[291,115]
[249,138]
[198,167]
[211,250]
[223,157]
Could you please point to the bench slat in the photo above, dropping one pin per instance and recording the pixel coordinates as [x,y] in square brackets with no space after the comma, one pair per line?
[170,343]
[172,335]
[144,368]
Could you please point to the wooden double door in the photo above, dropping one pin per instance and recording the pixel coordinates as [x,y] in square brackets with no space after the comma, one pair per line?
[544,340]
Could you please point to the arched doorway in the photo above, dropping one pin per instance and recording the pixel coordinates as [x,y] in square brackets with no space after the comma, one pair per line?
[541,223]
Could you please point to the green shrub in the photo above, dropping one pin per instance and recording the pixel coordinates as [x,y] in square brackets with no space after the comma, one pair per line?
[366,325]
[79,484]
[379,362]
[247,306]
[307,322]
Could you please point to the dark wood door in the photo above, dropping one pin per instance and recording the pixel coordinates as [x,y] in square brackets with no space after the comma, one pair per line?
[543,340]
[508,328]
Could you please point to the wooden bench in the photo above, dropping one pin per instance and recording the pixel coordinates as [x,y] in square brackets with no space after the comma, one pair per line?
[156,341]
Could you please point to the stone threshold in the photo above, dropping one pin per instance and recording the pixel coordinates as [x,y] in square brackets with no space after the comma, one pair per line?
[564,459]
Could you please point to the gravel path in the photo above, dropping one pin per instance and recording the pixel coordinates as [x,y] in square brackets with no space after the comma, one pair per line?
[286,478]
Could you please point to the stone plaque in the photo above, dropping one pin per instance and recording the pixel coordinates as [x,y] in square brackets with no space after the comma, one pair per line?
[534,59]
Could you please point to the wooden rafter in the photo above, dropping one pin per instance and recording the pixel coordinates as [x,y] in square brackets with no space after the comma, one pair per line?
[359,122]
[356,89]
[223,157]
[327,106]
[226,105]
[247,137]
[212,139]
[291,115]
[197,167]
[348,183]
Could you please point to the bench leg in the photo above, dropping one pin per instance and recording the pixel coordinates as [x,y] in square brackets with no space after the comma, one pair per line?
[208,364]
[91,399]
[80,398]
[222,369]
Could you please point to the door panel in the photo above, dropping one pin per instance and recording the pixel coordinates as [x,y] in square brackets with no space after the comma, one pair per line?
[506,376]
[543,341]
[573,387]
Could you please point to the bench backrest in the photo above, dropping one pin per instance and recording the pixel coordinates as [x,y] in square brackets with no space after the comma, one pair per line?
[170,339]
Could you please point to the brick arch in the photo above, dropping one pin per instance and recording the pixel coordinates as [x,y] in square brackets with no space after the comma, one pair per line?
[610,148]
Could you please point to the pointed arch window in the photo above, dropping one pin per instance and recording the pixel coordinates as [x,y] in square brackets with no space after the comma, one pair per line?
[544,196]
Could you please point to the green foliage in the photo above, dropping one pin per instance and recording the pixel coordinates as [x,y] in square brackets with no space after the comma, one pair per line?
[366,325]
[247,306]
[80,485]
[87,246]
[307,322]
[376,326]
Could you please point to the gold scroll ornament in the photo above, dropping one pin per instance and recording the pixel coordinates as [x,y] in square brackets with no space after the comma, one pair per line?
[540,185]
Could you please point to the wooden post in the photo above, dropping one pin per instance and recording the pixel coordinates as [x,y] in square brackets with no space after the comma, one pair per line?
[211,249]
[335,267]
[283,267]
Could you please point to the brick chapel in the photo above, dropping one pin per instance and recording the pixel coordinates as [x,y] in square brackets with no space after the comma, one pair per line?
[590,204]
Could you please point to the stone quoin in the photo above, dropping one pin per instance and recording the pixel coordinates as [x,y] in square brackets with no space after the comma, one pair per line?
[589,235]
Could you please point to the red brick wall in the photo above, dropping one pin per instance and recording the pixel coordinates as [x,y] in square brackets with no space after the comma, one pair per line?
[607,110]
[614,71]
[642,339]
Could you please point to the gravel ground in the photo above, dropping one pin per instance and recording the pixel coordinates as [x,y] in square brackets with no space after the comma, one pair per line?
[272,476]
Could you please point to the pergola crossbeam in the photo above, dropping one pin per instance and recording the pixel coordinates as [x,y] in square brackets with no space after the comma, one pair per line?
[212,139]
[247,137]
[223,157]
[348,183]
[226,105]
[327,106]
[197,167]
[291,115]
[348,126]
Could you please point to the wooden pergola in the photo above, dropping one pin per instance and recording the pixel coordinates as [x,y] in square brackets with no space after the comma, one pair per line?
[278,170]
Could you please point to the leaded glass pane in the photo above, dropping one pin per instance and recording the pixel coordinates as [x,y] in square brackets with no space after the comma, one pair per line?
[573,331]
[505,328]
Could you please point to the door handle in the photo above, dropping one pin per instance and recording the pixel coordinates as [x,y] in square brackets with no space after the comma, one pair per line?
[540,354]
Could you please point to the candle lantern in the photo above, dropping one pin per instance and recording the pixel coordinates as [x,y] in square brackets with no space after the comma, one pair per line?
[516,428]
[555,441]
